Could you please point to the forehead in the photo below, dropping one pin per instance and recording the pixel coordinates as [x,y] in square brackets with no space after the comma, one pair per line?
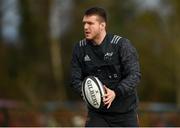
[90,18]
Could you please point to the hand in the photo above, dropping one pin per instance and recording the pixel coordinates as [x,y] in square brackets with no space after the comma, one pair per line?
[108,97]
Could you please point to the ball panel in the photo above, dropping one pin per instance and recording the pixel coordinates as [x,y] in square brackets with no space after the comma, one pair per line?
[93,91]
[101,88]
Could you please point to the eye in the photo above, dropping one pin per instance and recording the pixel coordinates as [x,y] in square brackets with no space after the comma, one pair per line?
[90,22]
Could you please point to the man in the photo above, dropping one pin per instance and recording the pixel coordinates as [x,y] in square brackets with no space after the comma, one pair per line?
[114,61]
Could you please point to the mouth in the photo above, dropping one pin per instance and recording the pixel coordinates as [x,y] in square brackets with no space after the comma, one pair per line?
[87,33]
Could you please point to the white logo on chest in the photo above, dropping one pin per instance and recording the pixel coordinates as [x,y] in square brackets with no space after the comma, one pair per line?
[108,56]
[86,58]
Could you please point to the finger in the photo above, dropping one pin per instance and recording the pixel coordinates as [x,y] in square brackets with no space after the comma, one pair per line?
[106,95]
[106,103]
[107,99]
[106,88]
[109,105]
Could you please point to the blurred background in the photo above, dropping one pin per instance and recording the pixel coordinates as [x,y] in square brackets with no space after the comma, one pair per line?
[36,41]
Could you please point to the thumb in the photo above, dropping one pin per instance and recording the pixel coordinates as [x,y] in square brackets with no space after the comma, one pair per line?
[105,89]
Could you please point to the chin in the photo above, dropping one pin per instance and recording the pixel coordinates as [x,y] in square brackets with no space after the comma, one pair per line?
[88,38]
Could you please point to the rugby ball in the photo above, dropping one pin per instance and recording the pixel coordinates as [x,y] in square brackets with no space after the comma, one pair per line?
[93,92]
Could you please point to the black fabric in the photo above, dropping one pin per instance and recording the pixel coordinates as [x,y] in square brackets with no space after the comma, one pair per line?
[129,119]
[115,63]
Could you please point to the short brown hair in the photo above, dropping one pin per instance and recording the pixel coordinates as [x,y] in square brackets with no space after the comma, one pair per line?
[97,11]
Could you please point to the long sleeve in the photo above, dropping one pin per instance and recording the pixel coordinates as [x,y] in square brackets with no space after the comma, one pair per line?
[76,71]
[131,69]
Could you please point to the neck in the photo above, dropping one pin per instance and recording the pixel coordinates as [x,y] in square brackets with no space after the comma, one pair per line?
[100,38]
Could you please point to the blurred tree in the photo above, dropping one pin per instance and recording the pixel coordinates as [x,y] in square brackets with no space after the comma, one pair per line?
[174,32]
[59,19]
[0,21]
[153,44]
[34,66]
[36,76]
[156,34]
[8,59]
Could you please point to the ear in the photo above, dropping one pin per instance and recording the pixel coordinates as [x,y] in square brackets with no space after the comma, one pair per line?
[103,25]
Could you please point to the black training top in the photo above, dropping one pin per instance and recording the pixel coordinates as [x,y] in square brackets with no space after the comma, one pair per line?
[115,63]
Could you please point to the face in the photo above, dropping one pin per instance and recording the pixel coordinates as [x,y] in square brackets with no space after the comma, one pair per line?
[93,27]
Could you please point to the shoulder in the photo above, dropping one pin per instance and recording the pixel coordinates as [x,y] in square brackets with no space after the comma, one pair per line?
[125,45]
[119,40]
[80,44]
[122,43]
[115,39]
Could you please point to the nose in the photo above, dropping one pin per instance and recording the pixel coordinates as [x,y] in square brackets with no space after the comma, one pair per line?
[85,26]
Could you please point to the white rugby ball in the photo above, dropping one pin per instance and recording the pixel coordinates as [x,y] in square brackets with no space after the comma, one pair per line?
[93,92]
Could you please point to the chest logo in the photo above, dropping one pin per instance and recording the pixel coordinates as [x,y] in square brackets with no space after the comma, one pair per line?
[87,58]
[108,56]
